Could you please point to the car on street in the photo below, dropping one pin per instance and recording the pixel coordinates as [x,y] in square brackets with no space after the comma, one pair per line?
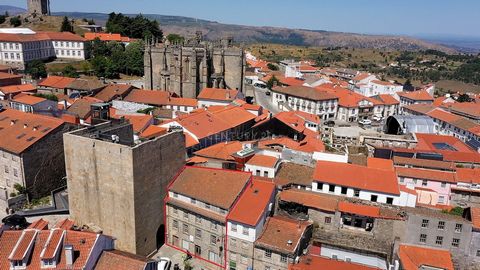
[164,264]
[365,122]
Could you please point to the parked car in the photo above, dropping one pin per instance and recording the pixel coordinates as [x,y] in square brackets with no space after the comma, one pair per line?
[330,123]
[365,122]
[164,264]
[268,93]
[377,118]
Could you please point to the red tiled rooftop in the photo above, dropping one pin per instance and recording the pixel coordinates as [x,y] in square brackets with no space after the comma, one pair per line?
[355,176]
[53,244]
[263,161]
[218,94]
[253,203]
[426,174]
[28,99]
[358,209]
[221,151]
[39,224]
[421,95]
[23,245]
[414,258]
[12,89]
[310,199]
[380,163]
[56,82]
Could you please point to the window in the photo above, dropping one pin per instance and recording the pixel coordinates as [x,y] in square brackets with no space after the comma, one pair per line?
[213,226]
[185,215]
[402,180]
[244,259]
[234,227]
[198,233]
[198,250]
[328,220]
[424,183]
[423,238]
[389,200]
[257,172]
[175,210]
[213,239]
[207,206]
[441,225]
[441,199]
[268,253]
[15,172]
[439,240]
[425,223]
[455,242]
[356,193]
[478,253]
[198,219]
[244,245]
[344,190]
[265,174]
[320,186]
[193,201]
[444,184]
[373,198]
[331,188]
[233,242]
[175,224]
[175,195]
[185,228]
[283,258]
[245,231]
[458,228]
[6,169]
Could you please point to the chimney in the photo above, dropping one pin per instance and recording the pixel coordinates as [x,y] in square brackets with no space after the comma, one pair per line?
[25,125]
[13,122]
[69,255]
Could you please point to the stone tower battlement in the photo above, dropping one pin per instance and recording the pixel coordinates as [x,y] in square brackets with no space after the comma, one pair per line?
[39,7]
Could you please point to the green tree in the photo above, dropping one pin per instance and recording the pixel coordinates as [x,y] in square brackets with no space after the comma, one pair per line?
[66,25]
[70,71]
[2,19]
[21,189]
[98,48]
[138,27]
[134,58]
[272,67]
[15,21]
[272,82]
[408,85]
[47,96]
[464,98]
[36,69]
[175,39]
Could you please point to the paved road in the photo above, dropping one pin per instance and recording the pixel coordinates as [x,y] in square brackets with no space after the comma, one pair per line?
[265,101]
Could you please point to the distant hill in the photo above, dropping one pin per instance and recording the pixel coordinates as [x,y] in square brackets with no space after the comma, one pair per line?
[11,10]
[250,34]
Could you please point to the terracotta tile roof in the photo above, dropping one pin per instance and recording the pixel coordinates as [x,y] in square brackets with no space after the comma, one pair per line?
[310,262]
[414,258]
[113,91]
[8,240]
[218,94]
[23,245]
[39,224]
[463,152]
[358,209]
[278,231]
[107,37]
[263,161]
[234,116]
[425,174]
[217,216]
[219,187]
[86,85]
[305,92]
[421,95]
[424,163]
[56,82]
[384,83]
[189,140]
[308,145]
[139,122]
[28,99]
[188,102]
[53,244]
[468,108]
[203,124]
[311,199]
[5,75]
[348,98]
[387,99]
[420,108]
[65,224]
[355,176]
[222,151]
[153,131]
[295,174]
[380,163]
[23,37]
[20,130]
[63,36]
[253,203]
[296,120]
[120,260]
[83,243]
[466,175]
[407,190]
[197,160]
[13,89]
[82,107]
[475,216]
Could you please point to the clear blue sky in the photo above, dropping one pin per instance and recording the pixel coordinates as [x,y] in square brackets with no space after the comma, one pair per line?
[410,17]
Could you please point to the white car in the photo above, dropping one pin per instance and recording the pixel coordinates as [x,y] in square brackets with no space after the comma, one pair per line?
[365,122]
[164,263]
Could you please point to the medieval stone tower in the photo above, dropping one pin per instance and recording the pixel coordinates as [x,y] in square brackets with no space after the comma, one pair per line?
[39,7]
[186,69]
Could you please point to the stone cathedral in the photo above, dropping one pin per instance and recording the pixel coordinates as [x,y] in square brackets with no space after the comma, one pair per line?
[187,68]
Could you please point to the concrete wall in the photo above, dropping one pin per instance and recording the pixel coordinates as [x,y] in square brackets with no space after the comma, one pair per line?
[121,188]
[346,255]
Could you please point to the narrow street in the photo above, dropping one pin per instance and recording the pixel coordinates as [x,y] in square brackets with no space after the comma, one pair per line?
[265,101]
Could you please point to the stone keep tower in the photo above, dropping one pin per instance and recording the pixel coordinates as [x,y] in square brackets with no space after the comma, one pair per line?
[39,7]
